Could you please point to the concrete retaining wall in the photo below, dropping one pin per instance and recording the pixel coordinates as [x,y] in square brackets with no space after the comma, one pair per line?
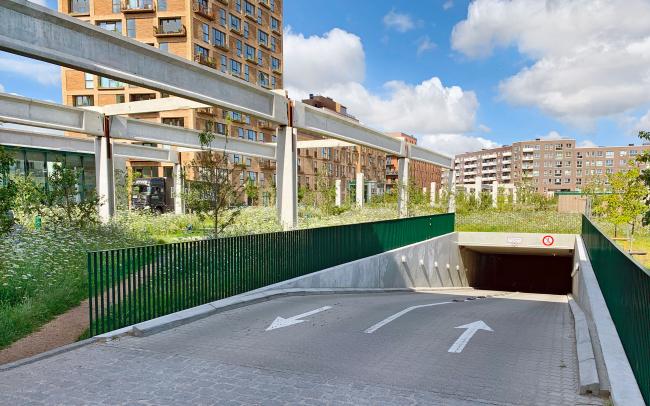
[433,263]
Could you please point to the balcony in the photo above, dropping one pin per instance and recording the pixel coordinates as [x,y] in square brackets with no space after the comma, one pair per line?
[265,125]
[250,17]
[489,156]
[277,70]
[264,3]
[163,32]
[529,149]
[267,164]
[204,11]
[142,6]
[277,30]
[205,60]
[223,2]
[391,173]
[527,158]
[251,59]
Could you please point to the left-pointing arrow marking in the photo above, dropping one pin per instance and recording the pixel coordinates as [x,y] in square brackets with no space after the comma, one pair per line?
[280,322]
[467,335]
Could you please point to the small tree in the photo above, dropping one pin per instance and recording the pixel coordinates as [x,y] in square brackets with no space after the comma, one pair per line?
[645,176]
[7,191]
[63,196]
[626,202]
[30,197]
[212,191]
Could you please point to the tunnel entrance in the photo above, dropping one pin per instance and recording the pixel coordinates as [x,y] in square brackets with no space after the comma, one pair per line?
[522,273]
[531,263]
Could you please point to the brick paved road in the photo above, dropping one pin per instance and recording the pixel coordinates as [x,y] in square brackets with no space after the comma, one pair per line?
[230,359]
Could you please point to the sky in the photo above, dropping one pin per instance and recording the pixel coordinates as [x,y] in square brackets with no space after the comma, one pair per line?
[459,75]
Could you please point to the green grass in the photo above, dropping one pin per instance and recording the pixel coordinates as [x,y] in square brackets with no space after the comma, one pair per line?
[519,222]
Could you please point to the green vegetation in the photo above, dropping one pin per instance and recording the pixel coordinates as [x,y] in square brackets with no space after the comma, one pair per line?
[545,221]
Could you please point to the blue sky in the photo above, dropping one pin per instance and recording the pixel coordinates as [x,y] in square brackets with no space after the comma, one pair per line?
[507,74]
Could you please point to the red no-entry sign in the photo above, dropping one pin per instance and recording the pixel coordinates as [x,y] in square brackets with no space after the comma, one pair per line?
[548,240]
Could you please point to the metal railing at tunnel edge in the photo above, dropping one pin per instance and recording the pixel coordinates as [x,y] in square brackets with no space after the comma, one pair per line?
[131,285]
[625,285]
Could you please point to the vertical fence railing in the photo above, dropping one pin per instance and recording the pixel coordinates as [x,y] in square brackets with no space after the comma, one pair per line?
[130,285]
[626,288]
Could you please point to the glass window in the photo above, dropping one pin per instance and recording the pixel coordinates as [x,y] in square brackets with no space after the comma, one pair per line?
[164,46]
[249,9]
[107,83]
[238,45]
[273,6]
[235,23]
[250,52]
[251,135]
[88,80]
[199,50]
[142,96]
[170,25]
[275,63]
[238,6]
[205,31]
[247,73]
[263,79]
[81,7]
[246,29]
[218,38]
[162,5]
[224,63]
[240,132]
[275,24]
[115,26]
[263,37]
[130,27]
[119,98]
[273,44]
[35,165]
[259,16]
[260,57]
[117,7]
[222,17]
[235,67]
[80,101]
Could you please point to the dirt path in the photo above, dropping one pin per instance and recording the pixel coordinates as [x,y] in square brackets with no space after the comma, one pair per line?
[63,330]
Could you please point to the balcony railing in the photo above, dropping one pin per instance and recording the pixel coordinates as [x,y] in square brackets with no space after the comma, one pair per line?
[205,60]
[143,6]
[204,11]
[267,125]
[160,31]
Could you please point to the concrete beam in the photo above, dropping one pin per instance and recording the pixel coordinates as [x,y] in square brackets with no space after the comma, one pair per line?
[27,139]
[38,32]
[420,153]
[147,106]
[331,125]
[25,111]
[325,143]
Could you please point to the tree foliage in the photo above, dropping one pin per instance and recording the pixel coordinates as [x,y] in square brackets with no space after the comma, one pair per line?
[7,191]
[645,176]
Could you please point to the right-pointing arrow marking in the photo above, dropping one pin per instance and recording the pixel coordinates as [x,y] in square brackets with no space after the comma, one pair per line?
[471,329]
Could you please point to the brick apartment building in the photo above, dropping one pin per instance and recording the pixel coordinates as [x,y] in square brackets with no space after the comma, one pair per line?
[331,163]
[421,174]
[238,37]
[548,165]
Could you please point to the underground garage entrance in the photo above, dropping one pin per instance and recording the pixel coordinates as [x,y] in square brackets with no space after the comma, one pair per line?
[518,262]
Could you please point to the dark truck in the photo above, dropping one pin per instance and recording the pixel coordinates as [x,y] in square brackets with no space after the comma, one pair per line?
[153,194]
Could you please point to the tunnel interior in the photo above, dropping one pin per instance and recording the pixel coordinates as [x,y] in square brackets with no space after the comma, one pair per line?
[518,272]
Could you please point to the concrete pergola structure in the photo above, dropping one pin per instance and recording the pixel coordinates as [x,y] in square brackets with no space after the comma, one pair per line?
[40,33]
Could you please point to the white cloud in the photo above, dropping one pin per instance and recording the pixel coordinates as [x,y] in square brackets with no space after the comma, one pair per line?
[43,73]
[586,63]
[448,4]
[644,123]
[428,109]
[553,135]
[425,44]
[2,88]
[587,144]
[454,144]
[484,128]
[398,21]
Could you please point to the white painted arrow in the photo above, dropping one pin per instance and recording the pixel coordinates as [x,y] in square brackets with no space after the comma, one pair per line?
[280,322]
[467,335]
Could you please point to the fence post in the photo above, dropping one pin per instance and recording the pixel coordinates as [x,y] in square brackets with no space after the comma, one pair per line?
[287,173]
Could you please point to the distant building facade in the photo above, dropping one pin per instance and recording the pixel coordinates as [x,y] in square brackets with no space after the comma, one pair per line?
[421,174]
[548,165]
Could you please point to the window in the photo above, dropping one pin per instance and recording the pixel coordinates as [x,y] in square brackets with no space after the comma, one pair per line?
[235,23]
[260,136]
[130,27]
[115,26]
[175,121]
[238,6]
[218,38]
[260,57]
[263,38]
[240,132]
[259,16]
[263,79]
[106,83]
[164,46]
[249,9]
[273,44]
[275,63]
[246,73]
[224,63]
[222,17]
[274,82]
[609,162]
[275,24]
[203,52]
[251,135]
[248,162]
[162,5]
[239,47]
[246,29]
[117,7]
[205,32]
[236,159]
[273,6]
[88,80]
[170,25]
[79,101]
[142,96]
[235,67]
[81,7]
[250,52]
[119,98]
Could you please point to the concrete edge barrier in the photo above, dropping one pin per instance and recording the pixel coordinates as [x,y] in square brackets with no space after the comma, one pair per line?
[46,354]
[624,389]
[587,373]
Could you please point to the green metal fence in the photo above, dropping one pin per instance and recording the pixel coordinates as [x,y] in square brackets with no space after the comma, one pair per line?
[131,285]
[626,287]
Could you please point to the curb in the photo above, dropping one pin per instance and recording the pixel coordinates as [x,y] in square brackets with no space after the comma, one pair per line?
[588,381]
[46,354]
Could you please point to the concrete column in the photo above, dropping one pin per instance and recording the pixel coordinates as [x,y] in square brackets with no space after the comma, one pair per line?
[478,187]
[359,189]
[105,178]
[287,177]
[495,193]
[451,182]
[432,194]
[403,181]
[337,197]
[514,194]
[179,208]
